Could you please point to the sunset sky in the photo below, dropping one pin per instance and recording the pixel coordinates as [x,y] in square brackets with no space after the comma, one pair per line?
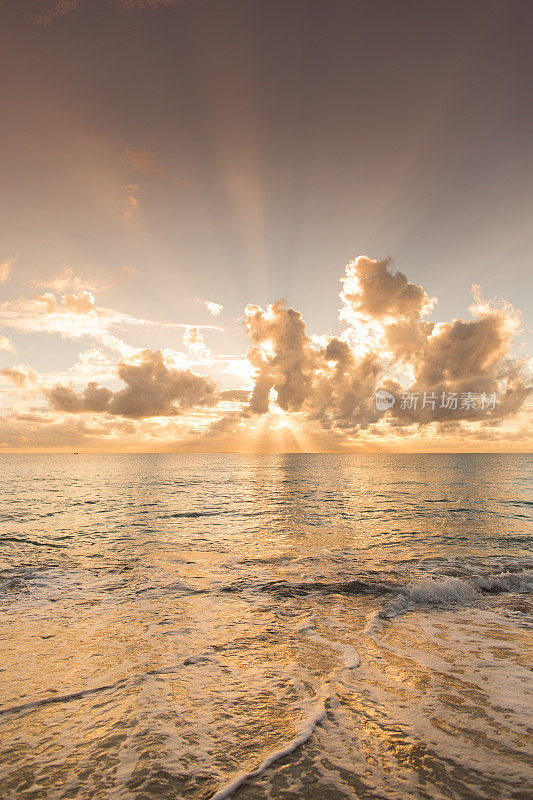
[172,171]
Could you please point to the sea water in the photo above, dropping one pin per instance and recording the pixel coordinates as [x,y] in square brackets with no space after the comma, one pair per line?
[265,626]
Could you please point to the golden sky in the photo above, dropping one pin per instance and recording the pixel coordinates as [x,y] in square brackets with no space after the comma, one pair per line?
[171,171]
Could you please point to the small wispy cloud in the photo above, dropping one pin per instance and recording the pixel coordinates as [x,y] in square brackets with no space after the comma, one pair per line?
[141,159]
[5,269]
[56,9]
[153,4]
[68,281]
[76,315]
[213,308]
[132,200]
[6,344]
[53,9]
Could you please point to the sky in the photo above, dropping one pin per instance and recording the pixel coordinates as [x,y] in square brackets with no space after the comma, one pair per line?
[225,225]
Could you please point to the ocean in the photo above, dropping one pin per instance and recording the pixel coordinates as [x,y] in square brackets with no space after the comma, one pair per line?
[266,626]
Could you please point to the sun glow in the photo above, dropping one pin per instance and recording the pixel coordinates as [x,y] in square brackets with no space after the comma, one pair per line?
[284,424]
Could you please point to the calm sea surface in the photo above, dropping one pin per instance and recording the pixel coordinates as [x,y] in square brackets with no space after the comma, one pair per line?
[285,626]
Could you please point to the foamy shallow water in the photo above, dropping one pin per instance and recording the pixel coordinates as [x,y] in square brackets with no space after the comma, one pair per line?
[300,626]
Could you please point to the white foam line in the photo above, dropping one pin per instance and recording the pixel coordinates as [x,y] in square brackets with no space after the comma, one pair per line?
[349,654]
[351,660]
[303,737]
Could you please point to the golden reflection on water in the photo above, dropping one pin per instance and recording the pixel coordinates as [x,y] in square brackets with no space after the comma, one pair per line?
[169,627]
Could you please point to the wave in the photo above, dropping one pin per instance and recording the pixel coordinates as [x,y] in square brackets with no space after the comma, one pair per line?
[191,514]
[520,582]
[453,591]
[445,588]
[24,540]
[349,660]
[295,589]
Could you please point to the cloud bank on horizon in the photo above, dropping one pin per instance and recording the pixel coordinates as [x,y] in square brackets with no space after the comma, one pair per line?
[450,385]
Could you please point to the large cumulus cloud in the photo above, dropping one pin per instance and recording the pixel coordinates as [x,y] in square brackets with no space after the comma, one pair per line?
[372,291]
[326,381]
[473,356]
[282,355]
[387,344]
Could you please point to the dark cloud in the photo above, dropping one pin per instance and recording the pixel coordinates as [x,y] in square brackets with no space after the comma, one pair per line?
[152,389]
[404,339]
[469,357]
[93,399]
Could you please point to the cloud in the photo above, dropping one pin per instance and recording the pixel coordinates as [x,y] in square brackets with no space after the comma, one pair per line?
[387,345]
[55,9]
[371,291]
[472,356]
[326,382]
[213,308]
[152,389]
[141,159]
[6,344]
[132,200]
[5,269]
[141,4]
[67,280]
[81,303]
[304,388]
[73,316]
[93,399]
[95,363]
[22,376]
[238,395]
[281,354]
[46,431]
[194,341]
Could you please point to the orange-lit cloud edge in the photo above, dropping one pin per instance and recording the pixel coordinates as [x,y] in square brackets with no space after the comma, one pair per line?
[455,386]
